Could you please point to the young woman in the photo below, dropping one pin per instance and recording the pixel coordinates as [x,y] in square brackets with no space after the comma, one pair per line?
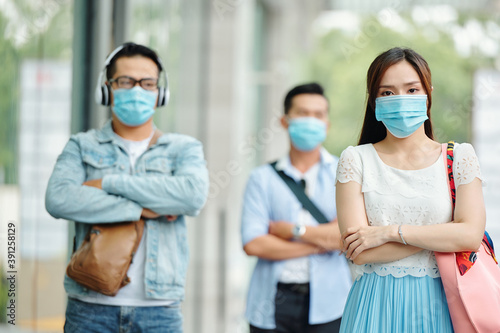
[394,206]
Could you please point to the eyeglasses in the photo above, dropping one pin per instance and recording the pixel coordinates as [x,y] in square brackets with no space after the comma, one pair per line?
[126,82]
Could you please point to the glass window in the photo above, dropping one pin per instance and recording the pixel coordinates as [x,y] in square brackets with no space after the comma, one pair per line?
[35,108]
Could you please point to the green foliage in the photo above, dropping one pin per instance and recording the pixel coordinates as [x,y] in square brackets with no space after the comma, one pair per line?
[339,60]
[8,104]
[41,33]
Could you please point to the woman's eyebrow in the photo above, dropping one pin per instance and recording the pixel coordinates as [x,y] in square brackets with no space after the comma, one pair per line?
[393,86]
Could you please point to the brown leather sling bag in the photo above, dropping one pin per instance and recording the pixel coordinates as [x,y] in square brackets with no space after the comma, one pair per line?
[102,261]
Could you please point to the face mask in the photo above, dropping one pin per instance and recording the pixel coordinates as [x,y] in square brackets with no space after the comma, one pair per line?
[135,106]
[402,115]
[306,133]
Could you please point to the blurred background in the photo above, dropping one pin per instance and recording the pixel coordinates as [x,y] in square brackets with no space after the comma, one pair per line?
[229,64]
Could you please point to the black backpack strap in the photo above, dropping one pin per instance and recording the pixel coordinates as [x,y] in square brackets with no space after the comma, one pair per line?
[298,190]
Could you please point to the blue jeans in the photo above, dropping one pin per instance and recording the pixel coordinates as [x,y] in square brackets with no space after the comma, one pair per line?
[88,317]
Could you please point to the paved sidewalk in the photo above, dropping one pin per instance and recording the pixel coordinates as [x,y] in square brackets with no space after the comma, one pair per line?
[43,325]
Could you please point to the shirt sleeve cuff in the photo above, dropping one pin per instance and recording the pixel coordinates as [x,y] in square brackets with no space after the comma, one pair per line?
[135,211]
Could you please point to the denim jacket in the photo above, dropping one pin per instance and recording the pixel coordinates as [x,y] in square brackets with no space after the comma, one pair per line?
[170,178]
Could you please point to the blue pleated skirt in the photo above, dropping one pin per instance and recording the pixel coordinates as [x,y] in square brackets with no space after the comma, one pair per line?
[388,304]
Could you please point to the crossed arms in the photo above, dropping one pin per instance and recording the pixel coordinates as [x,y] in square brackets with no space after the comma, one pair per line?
[370,244]
[274,240]
[279,244]
[123,197]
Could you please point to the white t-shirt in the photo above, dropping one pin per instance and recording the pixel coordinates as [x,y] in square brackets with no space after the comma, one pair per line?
[133,294]
[405,197]
[296,270]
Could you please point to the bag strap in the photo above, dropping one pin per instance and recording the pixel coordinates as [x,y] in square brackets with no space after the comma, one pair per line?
[298,190]
[448,165]
[156,135]
[465,259]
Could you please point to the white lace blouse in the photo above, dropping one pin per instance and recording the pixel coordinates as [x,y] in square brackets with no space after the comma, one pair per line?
[412,197]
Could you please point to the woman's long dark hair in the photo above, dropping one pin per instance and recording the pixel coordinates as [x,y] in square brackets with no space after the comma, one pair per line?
[374,131]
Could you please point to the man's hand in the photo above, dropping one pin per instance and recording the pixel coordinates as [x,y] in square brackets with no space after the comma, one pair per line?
[270,247]
[326,236]
[149,214]
[97,183]
[281,229]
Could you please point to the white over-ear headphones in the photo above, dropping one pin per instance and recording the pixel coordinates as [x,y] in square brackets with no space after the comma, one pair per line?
[102,90]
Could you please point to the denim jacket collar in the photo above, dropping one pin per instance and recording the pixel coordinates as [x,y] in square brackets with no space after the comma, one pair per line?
[106,134]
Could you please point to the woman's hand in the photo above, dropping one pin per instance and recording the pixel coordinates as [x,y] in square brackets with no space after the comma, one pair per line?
[357,239]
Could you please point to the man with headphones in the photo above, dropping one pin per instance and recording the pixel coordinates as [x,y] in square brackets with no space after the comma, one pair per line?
[125,171]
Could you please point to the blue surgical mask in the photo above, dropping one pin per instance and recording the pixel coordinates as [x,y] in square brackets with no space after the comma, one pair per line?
[306,133]
[135,106]
[402,115]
